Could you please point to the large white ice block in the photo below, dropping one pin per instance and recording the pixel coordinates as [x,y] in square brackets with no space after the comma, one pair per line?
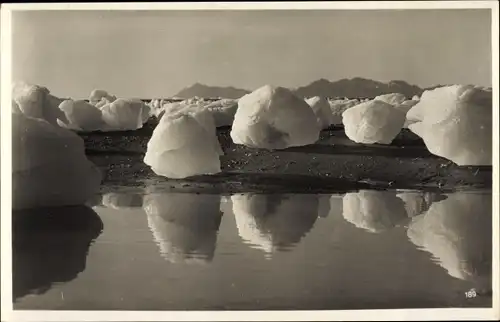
[184,144]
[373,122]
[49,166]
[274,118]
[455,123]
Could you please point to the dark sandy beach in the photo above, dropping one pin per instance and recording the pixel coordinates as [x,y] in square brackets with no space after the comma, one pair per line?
[333,163]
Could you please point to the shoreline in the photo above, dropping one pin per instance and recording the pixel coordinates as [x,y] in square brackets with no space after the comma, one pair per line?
[334,163]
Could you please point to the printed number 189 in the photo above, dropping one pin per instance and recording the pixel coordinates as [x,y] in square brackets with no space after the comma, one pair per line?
[471,294]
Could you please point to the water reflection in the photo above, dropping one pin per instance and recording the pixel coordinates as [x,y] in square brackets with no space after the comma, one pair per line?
[378,211]
[330,205]
[323,205]
[94,201]
[226,205]
[50,246]
[184,225]
[274,222]
[458,233]
[115,200]
[375,211]
[417,202]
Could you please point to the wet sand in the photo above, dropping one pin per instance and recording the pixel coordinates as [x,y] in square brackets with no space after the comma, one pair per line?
[333,163]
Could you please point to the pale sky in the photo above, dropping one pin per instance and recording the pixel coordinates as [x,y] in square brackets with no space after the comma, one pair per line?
[157,53]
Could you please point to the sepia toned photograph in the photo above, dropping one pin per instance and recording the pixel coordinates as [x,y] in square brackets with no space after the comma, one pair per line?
[231,159]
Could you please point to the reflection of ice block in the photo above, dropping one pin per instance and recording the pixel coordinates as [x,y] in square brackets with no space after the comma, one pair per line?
[375,211]
[184,225]
[81,115]
[183,145]
[417,202]
[323,205]
[94,201]
[49,166]
[321,109]
[330,205]
[373,122]
[457,231]
[274,118]
[118,201]
[455,123]
[336,205]
[274,222]
[226,205]
[50,245]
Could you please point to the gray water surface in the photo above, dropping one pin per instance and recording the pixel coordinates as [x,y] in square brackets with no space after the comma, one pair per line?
[144,249]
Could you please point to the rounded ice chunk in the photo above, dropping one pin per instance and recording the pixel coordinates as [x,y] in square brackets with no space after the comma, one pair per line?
[338,107]
[98,94]
[49,166]
[81,116]
[405,107]
[455,123]
[223,111]
[274,118]
[36,102]
[394,98]
[124,114]
[102,102]
[184,144]
[373,122]
[322,110]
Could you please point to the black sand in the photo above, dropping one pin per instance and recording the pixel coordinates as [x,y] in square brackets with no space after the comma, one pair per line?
[334,163]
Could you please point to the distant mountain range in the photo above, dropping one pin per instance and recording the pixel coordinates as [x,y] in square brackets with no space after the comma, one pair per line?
[201,90]
[357,88]
[351,88]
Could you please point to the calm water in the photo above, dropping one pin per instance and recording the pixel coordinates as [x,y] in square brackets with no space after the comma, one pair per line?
[144,249]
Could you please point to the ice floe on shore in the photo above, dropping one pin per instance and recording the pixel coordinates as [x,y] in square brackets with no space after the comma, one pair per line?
[455,123]
[184,144]
[274,118]
[322,110]
[49,167]
[36,102]
[373,122]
